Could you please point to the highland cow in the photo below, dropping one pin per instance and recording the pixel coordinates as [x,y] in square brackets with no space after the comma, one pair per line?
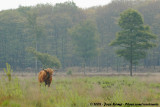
[45,75]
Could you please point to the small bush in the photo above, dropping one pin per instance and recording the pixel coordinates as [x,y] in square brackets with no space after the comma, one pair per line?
[5,103]
[69,72]
[8,71]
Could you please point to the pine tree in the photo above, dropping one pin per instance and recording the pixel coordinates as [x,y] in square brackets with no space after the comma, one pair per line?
[134,39]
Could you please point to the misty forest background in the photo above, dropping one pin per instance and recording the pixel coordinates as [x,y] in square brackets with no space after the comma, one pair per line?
[47,29]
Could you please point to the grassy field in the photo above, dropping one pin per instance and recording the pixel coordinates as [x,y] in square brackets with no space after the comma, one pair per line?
[78,91]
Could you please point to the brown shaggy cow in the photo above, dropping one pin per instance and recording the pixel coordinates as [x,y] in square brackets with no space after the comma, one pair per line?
[46,76]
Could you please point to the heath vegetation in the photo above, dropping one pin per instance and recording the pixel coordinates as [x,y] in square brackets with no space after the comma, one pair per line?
[73,91]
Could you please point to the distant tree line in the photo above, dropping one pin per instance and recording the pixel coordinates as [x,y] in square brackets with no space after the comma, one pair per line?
[51,29]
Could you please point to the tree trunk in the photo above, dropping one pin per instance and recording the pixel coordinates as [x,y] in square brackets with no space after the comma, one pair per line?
[62,53]
[56,40]
[117,65]
[85,66]
[131,68]
[98,63]
[131,60]
[36,62]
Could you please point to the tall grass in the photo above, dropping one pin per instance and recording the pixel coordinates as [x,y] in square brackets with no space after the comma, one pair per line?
[77,92]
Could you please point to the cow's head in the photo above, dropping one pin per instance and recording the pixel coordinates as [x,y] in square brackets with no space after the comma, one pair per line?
[49,70]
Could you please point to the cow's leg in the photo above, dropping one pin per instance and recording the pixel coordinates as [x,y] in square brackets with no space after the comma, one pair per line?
[49,84]
[46,83]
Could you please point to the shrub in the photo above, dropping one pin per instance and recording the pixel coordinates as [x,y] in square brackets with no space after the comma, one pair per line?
[8,71]
[69,72]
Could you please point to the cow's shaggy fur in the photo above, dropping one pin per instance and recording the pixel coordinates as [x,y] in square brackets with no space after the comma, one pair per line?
[46,76]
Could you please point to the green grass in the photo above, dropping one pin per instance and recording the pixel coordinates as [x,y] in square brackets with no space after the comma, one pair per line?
[73,91]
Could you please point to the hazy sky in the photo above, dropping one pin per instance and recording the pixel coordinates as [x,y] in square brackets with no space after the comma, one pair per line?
[12,4]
